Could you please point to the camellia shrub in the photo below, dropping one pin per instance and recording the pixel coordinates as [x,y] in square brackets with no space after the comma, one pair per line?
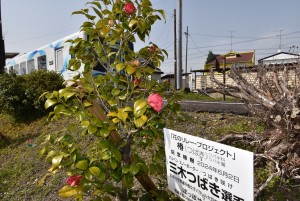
[122,113]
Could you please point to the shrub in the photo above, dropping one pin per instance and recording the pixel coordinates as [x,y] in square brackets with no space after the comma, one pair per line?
[38,82]
[19,94]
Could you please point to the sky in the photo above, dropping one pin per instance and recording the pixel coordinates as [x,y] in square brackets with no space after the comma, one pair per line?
[213,25]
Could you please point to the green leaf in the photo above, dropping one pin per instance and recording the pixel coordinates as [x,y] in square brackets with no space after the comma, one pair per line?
[105,155]
[85,124]
[49,103]
[134,168]
[113,102]
[120,66]
[128,181]
[130,70]
[116,120]
[104,30]
[87,103]
[92,129]
[113,163]
[140,121]
[162,12]
[122,115]
[117,154]
[68,191]
[95,171]
[104,132]
[112,114]
[105,144]
[101,177]
[139,113]
[82,165]
[132,23]
[126,169]
[88,175]
[138,105]
[56,160]
[115,92]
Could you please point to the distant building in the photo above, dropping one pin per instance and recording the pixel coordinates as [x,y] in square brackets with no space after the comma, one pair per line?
[280,58]
[245,59]
[185,84]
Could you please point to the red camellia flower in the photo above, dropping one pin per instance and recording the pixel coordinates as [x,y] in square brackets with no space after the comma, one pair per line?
[155,101]
[129,8]
[74,180]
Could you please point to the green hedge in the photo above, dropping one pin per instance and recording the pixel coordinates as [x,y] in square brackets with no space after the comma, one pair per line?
[19,94]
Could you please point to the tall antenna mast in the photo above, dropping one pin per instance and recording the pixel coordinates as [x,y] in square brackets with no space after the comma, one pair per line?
[280,46]
[231,36]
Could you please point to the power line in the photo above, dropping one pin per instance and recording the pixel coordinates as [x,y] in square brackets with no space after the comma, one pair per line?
[41,36]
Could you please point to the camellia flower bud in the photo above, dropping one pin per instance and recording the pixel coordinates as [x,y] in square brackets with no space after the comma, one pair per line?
[137,81]
[155,101]
[152,48]
[136,63]
[74,180]
[111,23]
[129,8]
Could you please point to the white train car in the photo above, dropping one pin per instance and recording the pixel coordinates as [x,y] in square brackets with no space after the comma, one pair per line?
[52,57]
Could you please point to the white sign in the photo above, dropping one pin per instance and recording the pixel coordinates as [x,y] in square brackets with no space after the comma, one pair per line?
[203,170]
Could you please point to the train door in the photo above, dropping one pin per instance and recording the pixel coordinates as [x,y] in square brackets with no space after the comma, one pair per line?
[59,60]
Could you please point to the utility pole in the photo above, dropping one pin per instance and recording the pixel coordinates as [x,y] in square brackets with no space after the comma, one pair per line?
[186,57]
[179,67]
[2,48]
[175,51]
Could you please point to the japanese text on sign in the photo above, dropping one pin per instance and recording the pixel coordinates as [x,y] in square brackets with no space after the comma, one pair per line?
[203,170]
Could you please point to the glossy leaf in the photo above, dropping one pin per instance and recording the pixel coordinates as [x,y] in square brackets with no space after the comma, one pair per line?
[134,168]
[82,165]
[56,160]
[95,171]
[50,103]
[68,191]
[139,122]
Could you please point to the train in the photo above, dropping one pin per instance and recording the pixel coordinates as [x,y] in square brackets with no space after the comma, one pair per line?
[54,56]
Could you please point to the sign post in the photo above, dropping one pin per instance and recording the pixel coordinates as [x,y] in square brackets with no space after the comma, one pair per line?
[203,170]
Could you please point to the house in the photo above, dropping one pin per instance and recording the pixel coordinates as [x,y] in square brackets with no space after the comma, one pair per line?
[280,58]
[245,59]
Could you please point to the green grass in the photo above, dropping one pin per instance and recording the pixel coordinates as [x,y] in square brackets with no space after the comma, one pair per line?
[22,167]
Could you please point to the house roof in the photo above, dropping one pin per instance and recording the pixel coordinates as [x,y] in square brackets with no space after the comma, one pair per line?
[9,55]
[279,53]
[234,57]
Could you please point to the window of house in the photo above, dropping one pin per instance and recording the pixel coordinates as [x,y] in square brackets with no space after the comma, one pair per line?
[42,64]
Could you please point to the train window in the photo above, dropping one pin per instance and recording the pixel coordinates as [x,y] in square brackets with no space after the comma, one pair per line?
[59,63]
[30,65]
[23,66]
[100,68]
[17,69]
[22,70]
[42,64]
